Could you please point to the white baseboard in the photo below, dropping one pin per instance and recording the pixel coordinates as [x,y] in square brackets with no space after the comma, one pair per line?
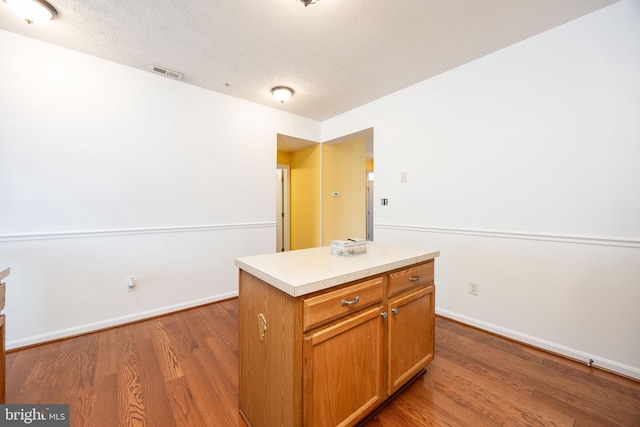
[96,326]
[610,365]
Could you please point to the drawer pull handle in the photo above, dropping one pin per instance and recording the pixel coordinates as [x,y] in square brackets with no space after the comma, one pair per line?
[395,310]
[415,278]
[352,302]
[262,326]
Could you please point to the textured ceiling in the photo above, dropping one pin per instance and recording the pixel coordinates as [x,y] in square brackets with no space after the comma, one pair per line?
[336,54]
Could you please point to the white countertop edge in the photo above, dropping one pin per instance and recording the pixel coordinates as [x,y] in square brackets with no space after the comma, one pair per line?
[284,287]
[326,283]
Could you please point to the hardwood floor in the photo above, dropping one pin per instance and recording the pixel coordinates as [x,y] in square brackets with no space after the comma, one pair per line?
[182,370]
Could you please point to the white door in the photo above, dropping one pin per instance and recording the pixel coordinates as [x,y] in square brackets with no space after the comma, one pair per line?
[282,208]
[370,206]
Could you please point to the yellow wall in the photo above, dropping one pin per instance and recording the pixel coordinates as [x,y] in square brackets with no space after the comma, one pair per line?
[368,165]
[305,197]
[343,170]
[284,158]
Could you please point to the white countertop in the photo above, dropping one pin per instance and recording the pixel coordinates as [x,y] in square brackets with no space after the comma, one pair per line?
[304,271]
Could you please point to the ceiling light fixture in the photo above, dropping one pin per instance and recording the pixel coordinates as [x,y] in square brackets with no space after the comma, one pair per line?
[308,2]
[32,11]
[282,93]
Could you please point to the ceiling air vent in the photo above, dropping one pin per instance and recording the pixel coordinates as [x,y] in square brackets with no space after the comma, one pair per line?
[166,72]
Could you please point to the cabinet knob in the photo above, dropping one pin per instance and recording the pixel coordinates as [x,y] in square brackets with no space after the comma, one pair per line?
[353,301]
[395,310]
[415,278]
[384,314]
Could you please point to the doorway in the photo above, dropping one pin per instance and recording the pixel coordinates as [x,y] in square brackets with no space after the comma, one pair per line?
[310,183]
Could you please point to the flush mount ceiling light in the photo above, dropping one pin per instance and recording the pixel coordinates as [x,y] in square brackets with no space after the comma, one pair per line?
[32,11]
[282,93]
[307,2]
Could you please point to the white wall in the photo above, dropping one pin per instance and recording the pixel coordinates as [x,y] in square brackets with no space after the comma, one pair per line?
[108,171]
[523,169]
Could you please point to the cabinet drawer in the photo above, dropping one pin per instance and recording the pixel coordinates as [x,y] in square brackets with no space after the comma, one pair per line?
[332,305]
[404,279]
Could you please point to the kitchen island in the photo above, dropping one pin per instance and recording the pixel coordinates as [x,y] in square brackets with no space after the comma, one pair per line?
[325,340]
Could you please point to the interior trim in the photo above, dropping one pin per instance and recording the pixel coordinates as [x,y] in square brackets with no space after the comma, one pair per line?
[113,322]
[582,240]
[578,355]
[76,234]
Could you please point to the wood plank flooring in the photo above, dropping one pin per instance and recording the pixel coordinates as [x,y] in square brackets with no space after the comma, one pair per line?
[182,370]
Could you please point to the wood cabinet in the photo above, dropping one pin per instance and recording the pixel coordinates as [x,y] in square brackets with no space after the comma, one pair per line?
[331,357]
[410,335]
[342,370]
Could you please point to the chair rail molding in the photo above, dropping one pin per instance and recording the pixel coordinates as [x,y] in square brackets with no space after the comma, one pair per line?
[75,234]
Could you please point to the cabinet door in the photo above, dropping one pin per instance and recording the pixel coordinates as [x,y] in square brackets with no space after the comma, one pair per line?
[410,335]
[343,370]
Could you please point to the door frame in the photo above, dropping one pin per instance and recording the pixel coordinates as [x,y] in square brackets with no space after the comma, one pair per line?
[283,221]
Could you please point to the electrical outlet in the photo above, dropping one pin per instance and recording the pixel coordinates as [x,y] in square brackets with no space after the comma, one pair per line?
[131,284]
[403,177]
[474,288]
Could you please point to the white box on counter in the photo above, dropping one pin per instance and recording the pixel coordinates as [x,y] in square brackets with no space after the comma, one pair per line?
[349,247]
